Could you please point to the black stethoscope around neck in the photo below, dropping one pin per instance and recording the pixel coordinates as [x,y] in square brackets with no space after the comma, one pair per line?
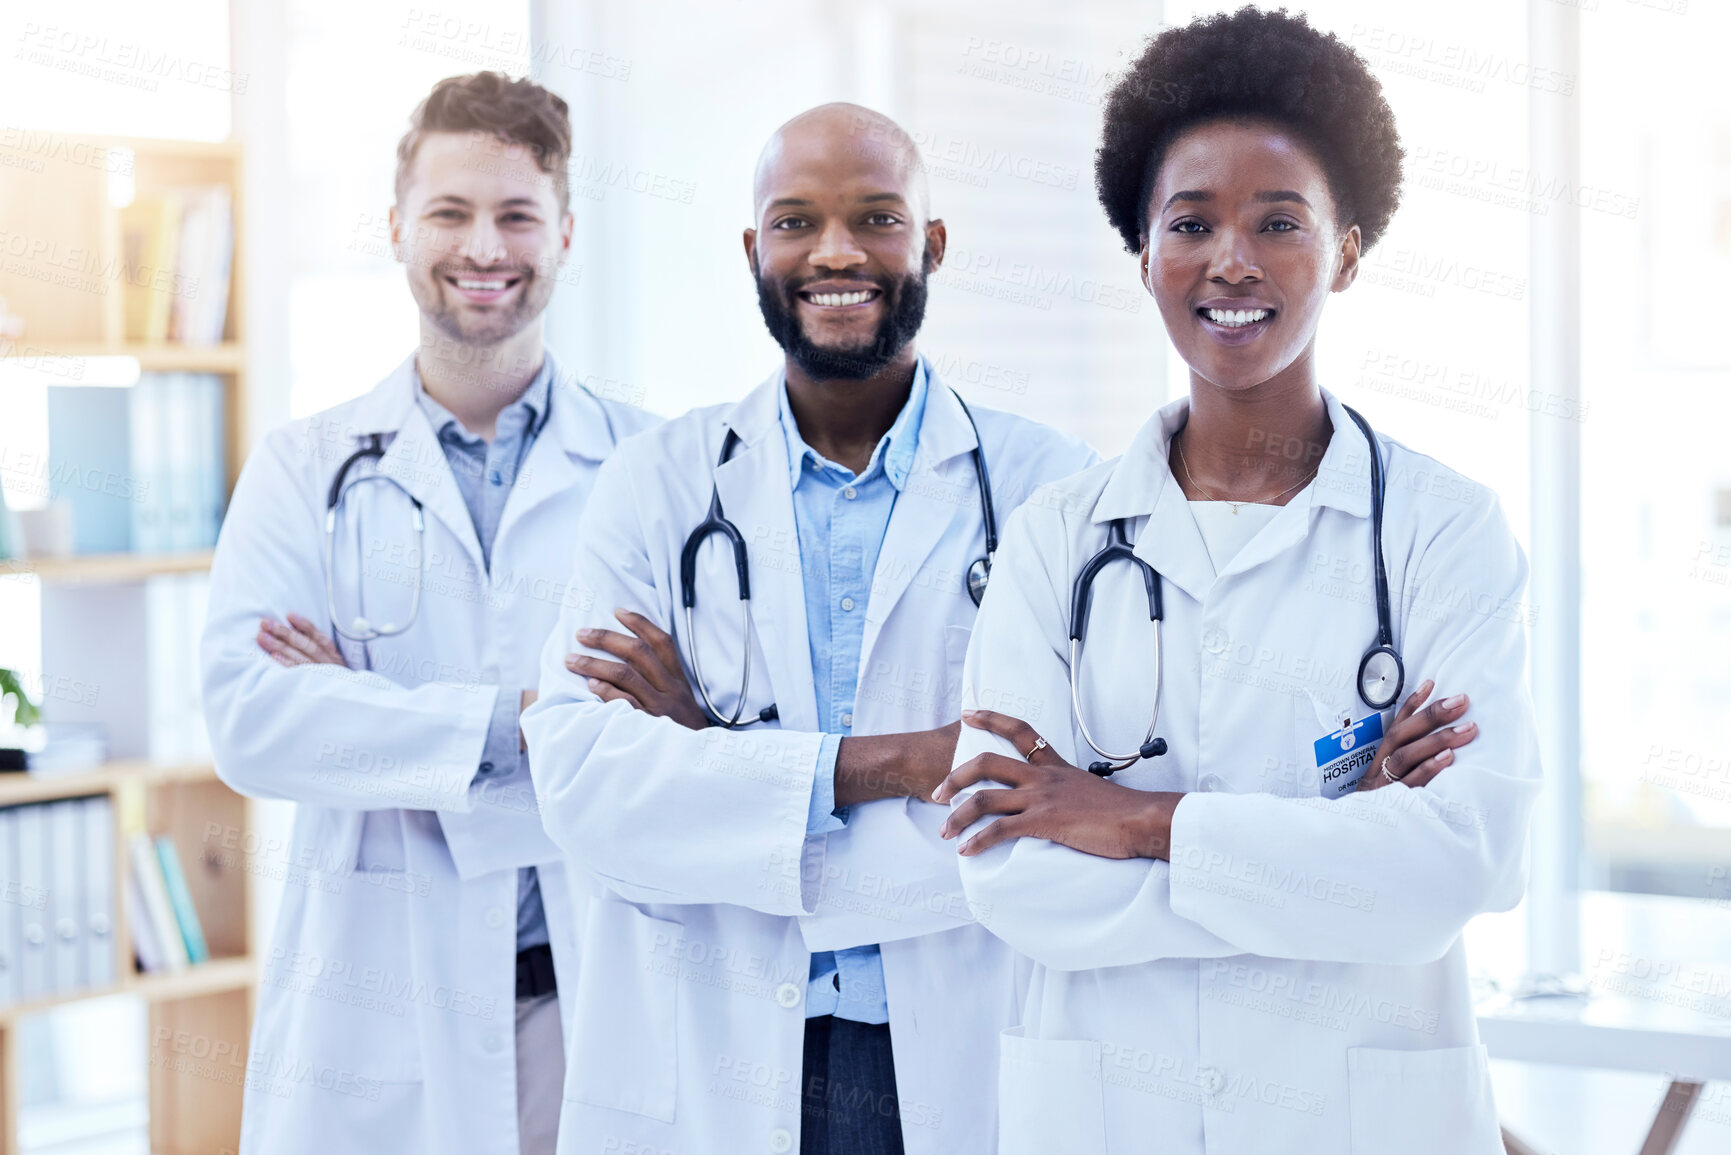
[717,523]
[1381,673]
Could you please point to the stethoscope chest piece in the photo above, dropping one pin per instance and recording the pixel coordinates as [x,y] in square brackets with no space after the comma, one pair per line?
[1381,676]
[978,574]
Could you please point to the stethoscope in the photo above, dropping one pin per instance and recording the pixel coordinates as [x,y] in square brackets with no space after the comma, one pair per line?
[359,628]
[717,523]
[1381,673]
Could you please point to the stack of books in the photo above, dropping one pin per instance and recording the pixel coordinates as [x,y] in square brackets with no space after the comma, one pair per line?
[166,933]
[178,247]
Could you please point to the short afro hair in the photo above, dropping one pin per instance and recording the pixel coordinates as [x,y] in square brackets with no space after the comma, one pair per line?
[1251,64]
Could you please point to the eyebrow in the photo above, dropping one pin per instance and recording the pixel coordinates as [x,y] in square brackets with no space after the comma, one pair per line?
[871,198]
[453,198]
[1273,196]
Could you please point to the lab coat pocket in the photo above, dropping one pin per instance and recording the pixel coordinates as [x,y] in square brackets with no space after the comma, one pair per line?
[1050,1096]
[625,1055]
[1435,1102]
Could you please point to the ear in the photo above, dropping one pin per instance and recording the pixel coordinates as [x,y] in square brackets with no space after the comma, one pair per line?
[1145,267]
[397,233]
[566,224]
[751,250]
[937,241]
[1346,270]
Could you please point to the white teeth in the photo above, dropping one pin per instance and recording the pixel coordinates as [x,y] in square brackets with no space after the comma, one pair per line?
[1235,317]
[836,299]
[479,286]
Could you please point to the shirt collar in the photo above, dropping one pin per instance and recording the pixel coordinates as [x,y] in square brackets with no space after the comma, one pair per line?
[535,402]
[895,449]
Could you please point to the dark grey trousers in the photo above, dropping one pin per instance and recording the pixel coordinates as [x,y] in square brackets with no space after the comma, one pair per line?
[849,1096]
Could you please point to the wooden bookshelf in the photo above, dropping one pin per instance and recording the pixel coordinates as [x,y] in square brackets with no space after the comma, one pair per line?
[108,568]
[70,292]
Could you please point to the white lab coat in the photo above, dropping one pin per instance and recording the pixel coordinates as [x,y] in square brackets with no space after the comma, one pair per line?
[695,962]
[1294,980]
[385,1011]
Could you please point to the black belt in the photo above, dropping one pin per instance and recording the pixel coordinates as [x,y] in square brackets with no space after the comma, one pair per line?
[535,972]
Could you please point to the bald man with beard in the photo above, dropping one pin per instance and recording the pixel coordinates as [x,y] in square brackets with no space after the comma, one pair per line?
[777,950]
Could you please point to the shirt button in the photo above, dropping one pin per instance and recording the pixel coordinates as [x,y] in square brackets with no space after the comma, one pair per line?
[780,1140]
[495,916]
[847,603]
[847,719]
[486,767]
[850,493]
[1210,1080]
[787,994]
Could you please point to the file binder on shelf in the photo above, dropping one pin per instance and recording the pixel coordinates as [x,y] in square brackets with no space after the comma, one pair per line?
[33,880]
[65,895]
[180,898]
[10,911]
[96,815]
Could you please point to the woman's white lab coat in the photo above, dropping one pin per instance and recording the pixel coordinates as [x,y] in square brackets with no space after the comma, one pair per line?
[692,995]
[385,1010]
[1294,980]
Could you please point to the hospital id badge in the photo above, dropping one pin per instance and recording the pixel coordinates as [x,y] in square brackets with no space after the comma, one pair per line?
[1343,756]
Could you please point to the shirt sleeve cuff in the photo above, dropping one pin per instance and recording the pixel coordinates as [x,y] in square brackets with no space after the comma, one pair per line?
[822,818]
[501,750]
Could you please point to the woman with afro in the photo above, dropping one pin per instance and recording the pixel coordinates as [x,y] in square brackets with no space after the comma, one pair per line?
[1246,922]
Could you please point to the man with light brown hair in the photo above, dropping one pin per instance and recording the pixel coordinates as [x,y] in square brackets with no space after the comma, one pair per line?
[385,578]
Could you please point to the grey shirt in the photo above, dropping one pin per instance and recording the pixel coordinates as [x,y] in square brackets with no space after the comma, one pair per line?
[486,472]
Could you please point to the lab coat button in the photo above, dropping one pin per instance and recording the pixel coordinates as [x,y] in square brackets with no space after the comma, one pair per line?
[495,916]
[780,1140]
[493,1042]
[1210,1080]
[787,994]
[1210,782]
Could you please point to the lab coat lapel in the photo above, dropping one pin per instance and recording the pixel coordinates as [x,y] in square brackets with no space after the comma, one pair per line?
[1143,483]
[941,492]
[417,461]
[577,430]
[758,498]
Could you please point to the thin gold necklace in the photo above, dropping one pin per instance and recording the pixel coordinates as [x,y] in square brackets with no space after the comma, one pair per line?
[1185,465]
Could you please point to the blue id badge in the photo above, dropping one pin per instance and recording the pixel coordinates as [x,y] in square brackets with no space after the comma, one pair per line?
[1343,756]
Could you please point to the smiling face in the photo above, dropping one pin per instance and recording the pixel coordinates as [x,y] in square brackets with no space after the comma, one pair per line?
[842,246]
[481,231]
[1242,250]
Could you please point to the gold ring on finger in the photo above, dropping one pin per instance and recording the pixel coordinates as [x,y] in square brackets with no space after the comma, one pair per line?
[1391,778]
[1039,745]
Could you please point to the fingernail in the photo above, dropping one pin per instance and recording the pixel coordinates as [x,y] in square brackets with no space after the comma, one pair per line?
[587,633]
[1466,727]
[595,684]
[1451,703]
[1446,756]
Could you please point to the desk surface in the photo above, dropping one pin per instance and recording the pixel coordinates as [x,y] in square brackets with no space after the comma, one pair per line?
[1660,972]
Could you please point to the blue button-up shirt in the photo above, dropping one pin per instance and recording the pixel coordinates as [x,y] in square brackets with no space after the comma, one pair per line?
[485,473]
[841,518]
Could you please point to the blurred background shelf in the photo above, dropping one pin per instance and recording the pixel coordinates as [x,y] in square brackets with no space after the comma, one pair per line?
[109,568]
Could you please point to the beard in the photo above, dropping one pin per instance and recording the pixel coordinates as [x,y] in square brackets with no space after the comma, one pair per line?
[451,316]
[906,301]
